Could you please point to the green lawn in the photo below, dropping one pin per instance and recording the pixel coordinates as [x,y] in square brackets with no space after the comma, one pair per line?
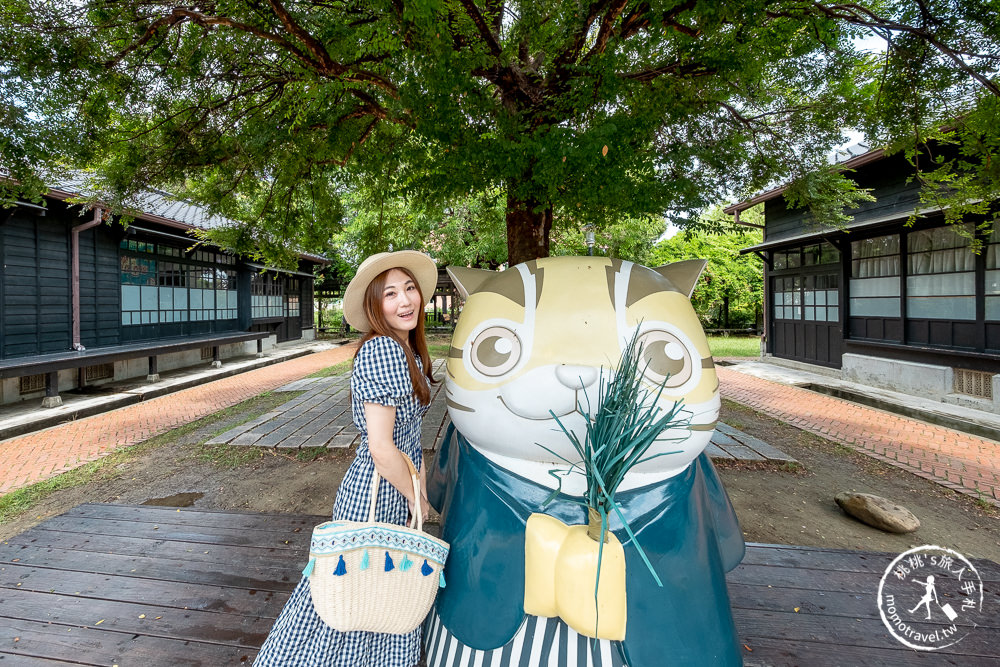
[734,346]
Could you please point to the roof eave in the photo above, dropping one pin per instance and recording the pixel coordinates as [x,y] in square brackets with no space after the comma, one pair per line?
[853,163]
[63,195]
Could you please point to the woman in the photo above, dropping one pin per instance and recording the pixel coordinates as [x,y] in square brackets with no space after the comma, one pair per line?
[390,392]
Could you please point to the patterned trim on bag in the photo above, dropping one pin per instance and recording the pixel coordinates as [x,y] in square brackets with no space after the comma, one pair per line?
[343,536]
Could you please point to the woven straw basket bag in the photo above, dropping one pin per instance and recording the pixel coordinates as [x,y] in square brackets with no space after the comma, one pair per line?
[375,577]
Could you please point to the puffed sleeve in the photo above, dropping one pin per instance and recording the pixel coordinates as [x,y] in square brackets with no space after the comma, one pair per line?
[380,373]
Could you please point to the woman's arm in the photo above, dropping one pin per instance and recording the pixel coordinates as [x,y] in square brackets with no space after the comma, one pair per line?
[386,456]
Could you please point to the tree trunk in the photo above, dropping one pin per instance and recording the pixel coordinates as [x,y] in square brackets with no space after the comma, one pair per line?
[528,227]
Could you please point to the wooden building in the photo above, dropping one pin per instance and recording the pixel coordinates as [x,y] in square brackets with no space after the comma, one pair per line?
[84,300]
[907,308]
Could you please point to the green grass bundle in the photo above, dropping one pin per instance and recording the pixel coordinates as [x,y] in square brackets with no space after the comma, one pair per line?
[618,436]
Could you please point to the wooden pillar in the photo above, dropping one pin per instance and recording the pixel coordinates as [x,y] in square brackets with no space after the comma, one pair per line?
[260,347]
[52,398]
[154,374]
[216,360]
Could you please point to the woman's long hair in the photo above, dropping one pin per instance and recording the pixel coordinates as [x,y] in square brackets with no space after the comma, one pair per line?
[418,341]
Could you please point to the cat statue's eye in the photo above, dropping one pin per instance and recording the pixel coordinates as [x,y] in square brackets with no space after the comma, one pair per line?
[495,351]
[665,356]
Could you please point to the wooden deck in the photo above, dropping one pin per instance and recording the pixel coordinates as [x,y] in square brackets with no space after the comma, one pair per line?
[144,586]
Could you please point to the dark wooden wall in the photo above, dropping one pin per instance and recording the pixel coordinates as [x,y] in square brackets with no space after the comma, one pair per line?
[100,288]
[894,197]
[36,284]
[36,288]
[308,319]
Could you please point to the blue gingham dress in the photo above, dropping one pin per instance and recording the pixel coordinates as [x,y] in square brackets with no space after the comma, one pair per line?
[299,637]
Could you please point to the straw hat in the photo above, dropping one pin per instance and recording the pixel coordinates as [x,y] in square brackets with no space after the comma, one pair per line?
[420,265]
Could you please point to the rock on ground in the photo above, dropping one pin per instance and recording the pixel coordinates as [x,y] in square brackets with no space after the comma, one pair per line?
[878,512]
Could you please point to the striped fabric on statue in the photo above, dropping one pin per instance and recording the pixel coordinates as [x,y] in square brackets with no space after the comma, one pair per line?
[540,642]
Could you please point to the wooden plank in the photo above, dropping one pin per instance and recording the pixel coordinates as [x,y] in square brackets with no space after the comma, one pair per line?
[136,590]
[260,574]
[8,658]
[233,433]
[715,452]
[164,621]
[842,560]
[296,424]
[38,538]
[39,639]
[866,632]
[833,603]
[233,592]
[98,528]
[744,453]
[818,559]
[767,652]
[195,516]
[764,575]
[824,603]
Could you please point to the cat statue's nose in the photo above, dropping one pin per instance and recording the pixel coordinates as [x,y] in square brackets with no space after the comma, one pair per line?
[576,377]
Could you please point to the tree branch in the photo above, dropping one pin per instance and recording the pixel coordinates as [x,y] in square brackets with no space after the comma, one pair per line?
[607,28]
[676,69]
[862,16]
[316,59]
[485,32]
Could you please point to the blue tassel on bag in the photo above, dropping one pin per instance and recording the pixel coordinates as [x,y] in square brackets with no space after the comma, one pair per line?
[364,560]
[310,566]
[341,568]
[441,580]
[406,564]
[388,562]
[426,569]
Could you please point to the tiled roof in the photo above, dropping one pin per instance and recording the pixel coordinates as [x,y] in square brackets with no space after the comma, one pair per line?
[159,206]
[166,206]
[151,204]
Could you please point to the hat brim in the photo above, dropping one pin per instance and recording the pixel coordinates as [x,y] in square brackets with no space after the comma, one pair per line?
[420,265]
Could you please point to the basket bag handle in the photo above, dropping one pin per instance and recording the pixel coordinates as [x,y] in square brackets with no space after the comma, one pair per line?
[418,515]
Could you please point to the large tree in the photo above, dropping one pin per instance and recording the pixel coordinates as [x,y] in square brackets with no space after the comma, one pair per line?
[593,111]
[730,293]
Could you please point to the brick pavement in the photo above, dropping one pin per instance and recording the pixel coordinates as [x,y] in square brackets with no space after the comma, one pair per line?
[960,461]
[43,454]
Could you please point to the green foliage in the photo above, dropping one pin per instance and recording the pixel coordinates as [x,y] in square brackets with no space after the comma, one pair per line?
[629,238]
[467,232]
[230,456]
[535,117]
[734,346]
[730,281]
[619,432]
[958,167]
[342,368]
[829,194]
[311,454]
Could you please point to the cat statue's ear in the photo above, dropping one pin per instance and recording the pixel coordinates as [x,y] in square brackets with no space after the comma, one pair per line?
[684,274]
[468,280]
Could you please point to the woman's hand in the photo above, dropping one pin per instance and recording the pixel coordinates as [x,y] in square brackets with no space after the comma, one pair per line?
[425,507]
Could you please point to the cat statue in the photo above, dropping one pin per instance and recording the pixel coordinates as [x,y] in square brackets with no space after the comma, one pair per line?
[533,343]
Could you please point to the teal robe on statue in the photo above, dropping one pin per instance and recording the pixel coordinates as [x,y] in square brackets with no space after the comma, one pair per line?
[685,525]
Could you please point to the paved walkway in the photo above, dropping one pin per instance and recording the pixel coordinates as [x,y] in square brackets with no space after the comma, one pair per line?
[43,454]
[321,417]
[960,461]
